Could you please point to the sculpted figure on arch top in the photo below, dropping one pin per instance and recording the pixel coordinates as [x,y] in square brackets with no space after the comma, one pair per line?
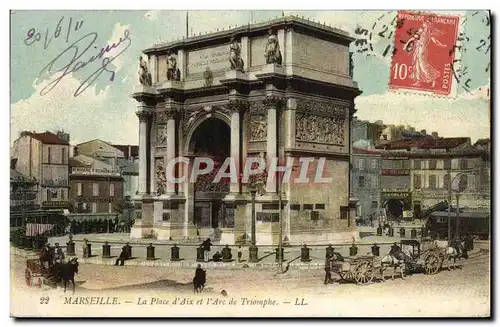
[272,51]
[144,74]
[235,55]
[173,73]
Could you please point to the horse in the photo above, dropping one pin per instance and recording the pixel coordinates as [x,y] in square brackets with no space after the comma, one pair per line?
[199,280]
[456,250]
[66,272]
[396,258]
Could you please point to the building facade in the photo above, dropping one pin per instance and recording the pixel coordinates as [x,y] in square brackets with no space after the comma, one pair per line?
[95,186]
[208,97]
[427,167]
[365,182]
[44,157]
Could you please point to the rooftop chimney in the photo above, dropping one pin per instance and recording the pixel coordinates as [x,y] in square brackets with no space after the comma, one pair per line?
[423,132]
[435,134]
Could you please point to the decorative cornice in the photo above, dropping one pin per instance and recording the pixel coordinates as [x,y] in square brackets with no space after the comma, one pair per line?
[237,105]
[273,102]
[144,115]
[336,111]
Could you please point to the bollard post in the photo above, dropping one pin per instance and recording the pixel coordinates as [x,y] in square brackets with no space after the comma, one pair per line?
[200,254]
[253,253]
[278,255]
[329,251]
[70,247]
[379,230]
[150,252]
[376,250]
[226,254]
[89,250]
[106,250]
[304,254]
[402,232]
[174,253]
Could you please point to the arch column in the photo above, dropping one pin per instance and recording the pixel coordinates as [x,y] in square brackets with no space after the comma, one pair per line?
[171,115]
[237,108]
[144,117]
[272,104]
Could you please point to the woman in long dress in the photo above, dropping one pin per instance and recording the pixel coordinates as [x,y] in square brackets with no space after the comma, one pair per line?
[423,70]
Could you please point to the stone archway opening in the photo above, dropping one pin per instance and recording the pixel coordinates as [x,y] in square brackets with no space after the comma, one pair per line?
[211,139]
[395,208]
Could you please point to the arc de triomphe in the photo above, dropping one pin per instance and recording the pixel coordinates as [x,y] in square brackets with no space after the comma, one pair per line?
[283,88]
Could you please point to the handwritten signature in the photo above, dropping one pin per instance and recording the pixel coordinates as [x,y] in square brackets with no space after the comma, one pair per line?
[59,64]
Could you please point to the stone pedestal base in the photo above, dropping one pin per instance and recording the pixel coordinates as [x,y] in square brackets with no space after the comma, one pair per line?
[142,230]
[228,237]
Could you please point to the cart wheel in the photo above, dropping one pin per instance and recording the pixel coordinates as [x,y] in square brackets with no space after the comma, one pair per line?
[363,273]
[27,277]
[432,264]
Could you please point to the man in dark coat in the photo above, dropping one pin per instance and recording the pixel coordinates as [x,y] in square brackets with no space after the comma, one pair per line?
[200,277]
[123,256]
[328,269]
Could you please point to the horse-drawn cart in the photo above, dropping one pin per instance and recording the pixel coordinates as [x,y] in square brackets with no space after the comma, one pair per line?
[423,256]
[357,268]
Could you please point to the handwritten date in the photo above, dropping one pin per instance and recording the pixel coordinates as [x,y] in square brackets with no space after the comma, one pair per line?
[33,36]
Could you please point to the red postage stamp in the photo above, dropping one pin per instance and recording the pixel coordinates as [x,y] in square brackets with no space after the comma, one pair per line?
[424,52]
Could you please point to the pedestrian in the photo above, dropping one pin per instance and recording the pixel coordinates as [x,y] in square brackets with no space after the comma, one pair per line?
[58,255]
[206,249]
[122,257]
[239,253]
[328,269]
[217,257]
[85,248]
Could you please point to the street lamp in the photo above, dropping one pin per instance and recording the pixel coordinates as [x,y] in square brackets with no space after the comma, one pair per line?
[450,199]
[253,248]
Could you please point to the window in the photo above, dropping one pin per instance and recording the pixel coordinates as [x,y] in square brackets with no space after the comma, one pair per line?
[94,207]
[447,164]
[432,181]
[294,206]
[462,184]
[111,189]
[110,207]
[48,154]
[320,206]
[95,189]
[314,215]
[62,194]
[417,182]
[344,212]
[374,163]
[63,155]
[432,164]
[361,164]
[446,181]
[308,207]
[417,164]
[79,189]
[361,181]
[462,164]
[375,183]
[374,204]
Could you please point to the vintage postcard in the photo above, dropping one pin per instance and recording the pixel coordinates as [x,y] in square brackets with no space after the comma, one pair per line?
[250,163]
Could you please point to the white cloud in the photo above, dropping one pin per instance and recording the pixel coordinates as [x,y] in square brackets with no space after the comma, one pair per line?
[459,117]
[85,117]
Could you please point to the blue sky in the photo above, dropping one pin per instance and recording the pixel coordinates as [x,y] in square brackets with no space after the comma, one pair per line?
[106,111]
